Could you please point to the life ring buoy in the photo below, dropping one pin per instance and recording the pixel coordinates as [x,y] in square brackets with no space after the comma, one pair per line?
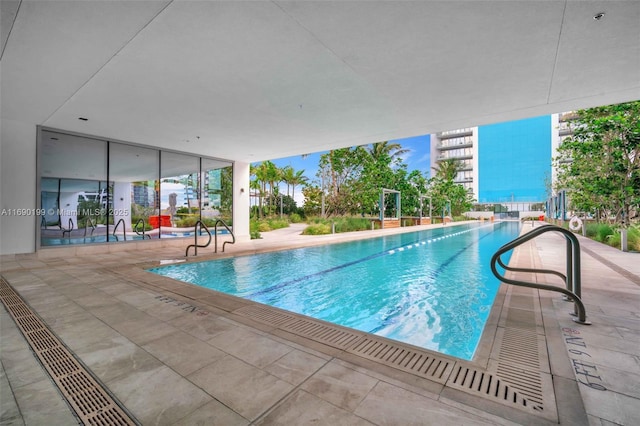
[575,224]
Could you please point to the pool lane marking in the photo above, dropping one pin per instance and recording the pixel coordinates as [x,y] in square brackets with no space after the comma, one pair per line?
[342,266]
[390,319]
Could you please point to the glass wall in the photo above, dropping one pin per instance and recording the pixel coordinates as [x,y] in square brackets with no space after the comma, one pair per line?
[179,192]
[95,191]
[73,189]
[133,172]
[217,191]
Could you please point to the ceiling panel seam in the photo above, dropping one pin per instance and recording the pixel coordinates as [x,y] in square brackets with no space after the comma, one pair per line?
[555,60]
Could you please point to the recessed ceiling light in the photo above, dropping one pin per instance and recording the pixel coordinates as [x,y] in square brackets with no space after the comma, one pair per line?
[83,119]
[598,16]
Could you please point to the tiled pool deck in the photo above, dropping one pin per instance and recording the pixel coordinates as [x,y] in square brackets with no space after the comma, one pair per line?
[174,354]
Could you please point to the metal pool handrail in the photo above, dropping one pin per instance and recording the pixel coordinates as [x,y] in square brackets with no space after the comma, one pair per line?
[67,230]
[124,231]
[572,277]
[89,222]
[195,244]
[143,233]
[215,233]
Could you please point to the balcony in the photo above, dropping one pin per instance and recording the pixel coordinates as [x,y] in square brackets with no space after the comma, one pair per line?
[445,147]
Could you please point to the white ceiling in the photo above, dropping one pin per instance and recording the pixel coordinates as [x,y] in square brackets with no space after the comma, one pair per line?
[256,80]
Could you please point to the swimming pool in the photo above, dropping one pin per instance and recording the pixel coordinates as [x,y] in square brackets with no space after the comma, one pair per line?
[432,289]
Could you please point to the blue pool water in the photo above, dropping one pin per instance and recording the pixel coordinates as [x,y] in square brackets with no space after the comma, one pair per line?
[432,289]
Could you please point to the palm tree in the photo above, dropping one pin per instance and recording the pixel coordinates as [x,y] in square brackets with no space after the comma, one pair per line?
[448,168]
[287,176]
[260,172]
[380,149]
[298,179]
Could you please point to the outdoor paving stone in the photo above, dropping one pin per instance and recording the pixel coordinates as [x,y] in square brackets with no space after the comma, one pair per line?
[158,396]
[41,404]
[250,347]
[183,352]
[302,408]
[340,385]
[95,299]
[619,381]
[628,334]
[110,359]
[213,413]
[611,406]
[245,389]
[389,405]
[165,311]
[625,361]
[21,367]
[143,328]
[117,313]
[295,367]
[12,339]
[204,327]
[139,298]
[85,334]
[9,412]
[112,286]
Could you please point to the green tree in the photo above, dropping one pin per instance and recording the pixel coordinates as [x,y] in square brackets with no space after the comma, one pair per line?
[298,178]
[339,171]
[599,164]
[448,168]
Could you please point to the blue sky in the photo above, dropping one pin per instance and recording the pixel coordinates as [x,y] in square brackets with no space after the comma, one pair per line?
[417,158]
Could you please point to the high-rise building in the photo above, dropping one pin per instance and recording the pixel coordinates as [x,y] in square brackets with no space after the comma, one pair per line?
[506,163]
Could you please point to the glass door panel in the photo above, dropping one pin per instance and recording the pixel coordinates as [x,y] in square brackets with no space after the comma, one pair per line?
[135,191]
[179,194]
[73,192]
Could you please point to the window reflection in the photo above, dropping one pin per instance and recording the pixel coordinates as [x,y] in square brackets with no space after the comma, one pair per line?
[217,191]
[73,190]
[136,195]
[97,191]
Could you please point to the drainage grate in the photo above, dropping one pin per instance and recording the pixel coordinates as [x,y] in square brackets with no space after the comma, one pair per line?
[490,385]
[520,347]
[265,314]
[323,333]
[329,334]
[404,358]
[90,401]
[527,383]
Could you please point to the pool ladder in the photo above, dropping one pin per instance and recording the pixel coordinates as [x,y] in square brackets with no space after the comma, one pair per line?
[572,277]
[195,244]
[124,230]
[137,229]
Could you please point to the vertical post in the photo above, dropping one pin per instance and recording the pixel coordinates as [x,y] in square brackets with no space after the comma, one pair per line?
[624,240]
[381,209]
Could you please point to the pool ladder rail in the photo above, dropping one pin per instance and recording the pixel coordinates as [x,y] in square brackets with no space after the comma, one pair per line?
[195,244]
[124,230]
[137,229]
[572,277]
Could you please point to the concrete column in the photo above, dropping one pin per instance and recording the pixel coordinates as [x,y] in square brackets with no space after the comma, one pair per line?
[241,177]
[18,187]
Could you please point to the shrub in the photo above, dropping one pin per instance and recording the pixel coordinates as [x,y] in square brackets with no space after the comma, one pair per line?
[317,229]
[187,222]
[295,218]
[254,232]
[350,224]
[264,226]
[633,239]
[277,223]
[603,232]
